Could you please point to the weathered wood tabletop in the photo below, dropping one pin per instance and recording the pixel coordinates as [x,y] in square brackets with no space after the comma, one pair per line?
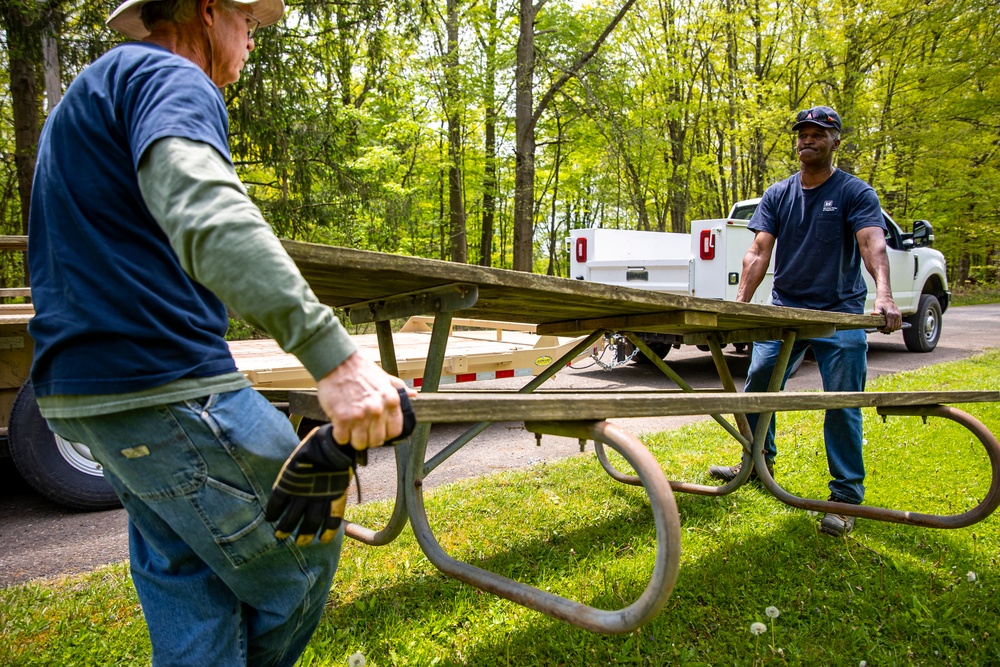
[342,276]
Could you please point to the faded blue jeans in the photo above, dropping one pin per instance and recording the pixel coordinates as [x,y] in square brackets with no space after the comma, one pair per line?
[843,365]
[217,588]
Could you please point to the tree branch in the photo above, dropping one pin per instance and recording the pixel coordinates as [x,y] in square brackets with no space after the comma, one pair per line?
[578,65]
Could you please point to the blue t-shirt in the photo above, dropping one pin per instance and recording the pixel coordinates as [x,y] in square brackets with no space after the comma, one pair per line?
[115,312]
[817,261]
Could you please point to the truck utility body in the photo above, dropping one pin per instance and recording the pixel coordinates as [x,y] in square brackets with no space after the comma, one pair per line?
[708,263]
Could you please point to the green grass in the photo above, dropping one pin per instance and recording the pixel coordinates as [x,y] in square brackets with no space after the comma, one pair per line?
[972,295]
[889,594]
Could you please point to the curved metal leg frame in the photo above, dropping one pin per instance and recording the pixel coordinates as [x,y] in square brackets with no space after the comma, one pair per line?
[416,446]
[986,507]
[619,621]
[399,516]
[684,487]
[743,435]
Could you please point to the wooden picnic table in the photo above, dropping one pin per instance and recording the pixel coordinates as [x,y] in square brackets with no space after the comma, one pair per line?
[378,287]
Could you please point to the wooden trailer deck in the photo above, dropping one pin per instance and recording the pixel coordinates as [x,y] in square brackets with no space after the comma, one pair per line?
[476,350]
[376,287]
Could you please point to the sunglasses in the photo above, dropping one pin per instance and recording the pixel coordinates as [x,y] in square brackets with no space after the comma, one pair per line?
[807,114]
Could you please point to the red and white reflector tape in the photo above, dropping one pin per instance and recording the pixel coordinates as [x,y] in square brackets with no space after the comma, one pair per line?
[474,377]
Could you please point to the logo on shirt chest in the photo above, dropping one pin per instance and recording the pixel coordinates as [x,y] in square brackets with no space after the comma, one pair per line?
[828,206]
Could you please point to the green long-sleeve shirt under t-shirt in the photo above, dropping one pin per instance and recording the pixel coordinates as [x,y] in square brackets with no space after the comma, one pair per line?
[222,241]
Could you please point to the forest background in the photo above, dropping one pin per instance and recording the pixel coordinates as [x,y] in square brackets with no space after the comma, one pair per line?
[483,131]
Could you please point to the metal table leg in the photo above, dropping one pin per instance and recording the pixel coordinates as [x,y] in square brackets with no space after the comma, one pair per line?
[665,518]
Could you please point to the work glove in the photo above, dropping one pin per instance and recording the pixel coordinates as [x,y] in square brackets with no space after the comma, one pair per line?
[311,489]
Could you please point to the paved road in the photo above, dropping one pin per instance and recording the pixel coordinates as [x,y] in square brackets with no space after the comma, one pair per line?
[39,539]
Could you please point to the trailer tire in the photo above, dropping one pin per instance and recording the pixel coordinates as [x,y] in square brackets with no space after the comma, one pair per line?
[925,325]
[60,470]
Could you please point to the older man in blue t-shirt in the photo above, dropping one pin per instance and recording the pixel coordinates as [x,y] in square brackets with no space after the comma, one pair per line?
[825,223]
[140,235]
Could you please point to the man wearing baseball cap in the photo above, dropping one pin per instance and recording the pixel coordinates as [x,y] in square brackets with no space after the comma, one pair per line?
[141,235]
[820,223]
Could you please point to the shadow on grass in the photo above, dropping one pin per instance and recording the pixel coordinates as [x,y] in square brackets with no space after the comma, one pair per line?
[841,601]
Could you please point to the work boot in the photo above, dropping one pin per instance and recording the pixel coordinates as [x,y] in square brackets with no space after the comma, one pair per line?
[838,525]
[729,473]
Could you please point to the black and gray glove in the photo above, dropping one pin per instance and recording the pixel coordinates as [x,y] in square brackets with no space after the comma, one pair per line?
[311,489]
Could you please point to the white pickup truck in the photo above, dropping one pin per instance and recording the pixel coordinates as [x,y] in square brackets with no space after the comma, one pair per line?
[708,263]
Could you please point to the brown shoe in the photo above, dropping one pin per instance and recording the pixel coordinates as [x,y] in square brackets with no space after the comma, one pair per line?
[838,525]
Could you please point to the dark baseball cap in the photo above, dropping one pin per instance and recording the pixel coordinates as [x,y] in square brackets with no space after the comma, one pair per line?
[822,116]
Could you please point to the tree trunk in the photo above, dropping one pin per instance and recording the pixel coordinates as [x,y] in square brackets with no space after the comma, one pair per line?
[490,147]
[456,205]
[53,78]
[524,142]
[526,117]
[24,50]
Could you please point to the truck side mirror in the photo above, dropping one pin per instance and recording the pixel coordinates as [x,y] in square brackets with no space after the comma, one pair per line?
[923,233]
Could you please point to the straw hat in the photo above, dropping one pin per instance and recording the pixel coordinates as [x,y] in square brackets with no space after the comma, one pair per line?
[126,18]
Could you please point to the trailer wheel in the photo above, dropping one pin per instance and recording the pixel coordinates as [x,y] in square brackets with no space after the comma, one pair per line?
[60,470]
[925,325]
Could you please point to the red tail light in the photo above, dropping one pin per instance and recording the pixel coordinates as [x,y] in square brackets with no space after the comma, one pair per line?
[707,244]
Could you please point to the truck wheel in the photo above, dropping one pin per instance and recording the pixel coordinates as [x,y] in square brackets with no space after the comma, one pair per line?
[60,470]
[925,325]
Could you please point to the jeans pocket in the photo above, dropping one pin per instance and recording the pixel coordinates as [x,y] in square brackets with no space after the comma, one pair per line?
[235,519]
[153,456]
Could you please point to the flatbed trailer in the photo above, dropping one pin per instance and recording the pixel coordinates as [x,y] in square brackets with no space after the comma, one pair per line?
[477,350]
[376,287]
[67,473]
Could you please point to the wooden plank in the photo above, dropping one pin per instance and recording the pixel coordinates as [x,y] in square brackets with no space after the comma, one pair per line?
[666,322]
[752,335]
[8,292]
[13,242]
[342,276]
[457,407]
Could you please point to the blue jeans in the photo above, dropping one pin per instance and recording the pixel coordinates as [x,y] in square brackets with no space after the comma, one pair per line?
[843,365]
[216,586]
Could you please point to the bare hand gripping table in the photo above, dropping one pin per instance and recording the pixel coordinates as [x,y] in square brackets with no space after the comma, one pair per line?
[376,287]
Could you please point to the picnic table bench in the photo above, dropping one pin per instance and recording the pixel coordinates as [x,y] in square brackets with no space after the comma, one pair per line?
[375,288]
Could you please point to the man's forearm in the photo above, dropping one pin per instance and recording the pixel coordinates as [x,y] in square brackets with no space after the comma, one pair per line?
[755,263]
[871,243]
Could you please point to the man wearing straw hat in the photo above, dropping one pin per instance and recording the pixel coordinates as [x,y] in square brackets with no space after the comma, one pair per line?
[140,235]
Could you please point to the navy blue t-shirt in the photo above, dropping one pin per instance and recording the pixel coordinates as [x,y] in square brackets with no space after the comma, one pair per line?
[817,261]
[115,312]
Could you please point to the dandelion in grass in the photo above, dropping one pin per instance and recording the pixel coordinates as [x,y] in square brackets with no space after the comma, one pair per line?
[772,613]
[757,629]
[863,663]
[970,576]
[356,660]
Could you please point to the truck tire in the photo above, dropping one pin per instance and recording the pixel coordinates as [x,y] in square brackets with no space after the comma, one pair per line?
[925,325]
[60,470]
